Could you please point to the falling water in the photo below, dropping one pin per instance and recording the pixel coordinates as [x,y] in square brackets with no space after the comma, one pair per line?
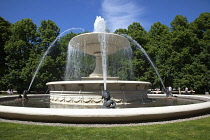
[71,52]
[147,56]
[120,64]
[47,51]
[102,40]
[73,63]
[100,26]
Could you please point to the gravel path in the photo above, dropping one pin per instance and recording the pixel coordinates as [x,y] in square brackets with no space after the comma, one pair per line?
[103,125]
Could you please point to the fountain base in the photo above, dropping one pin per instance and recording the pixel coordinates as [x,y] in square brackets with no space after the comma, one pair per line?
[89,91]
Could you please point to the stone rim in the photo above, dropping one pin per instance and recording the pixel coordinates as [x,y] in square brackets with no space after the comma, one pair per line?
[89,42]
[105,115]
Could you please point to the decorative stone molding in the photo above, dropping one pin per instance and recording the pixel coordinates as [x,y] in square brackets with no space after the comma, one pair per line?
[87,99]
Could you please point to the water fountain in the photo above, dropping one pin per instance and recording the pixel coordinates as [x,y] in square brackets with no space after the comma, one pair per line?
[87,91]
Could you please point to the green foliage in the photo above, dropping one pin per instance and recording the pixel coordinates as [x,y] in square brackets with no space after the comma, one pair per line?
[52,64]
[64,41]
[18,48]
[137,32]
[179,23]
[4,37]
[159,49]
[201,24]
[121,31]
[48,31]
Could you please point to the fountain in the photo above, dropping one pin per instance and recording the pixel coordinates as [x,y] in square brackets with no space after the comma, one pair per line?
[90,91]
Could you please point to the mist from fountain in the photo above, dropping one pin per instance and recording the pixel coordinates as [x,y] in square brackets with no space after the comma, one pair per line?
[147,56]
[72,63]
[77,64]
[120,64]
[46,53]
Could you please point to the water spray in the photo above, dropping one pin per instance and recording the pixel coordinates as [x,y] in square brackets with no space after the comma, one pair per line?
[47,51]
[146,55]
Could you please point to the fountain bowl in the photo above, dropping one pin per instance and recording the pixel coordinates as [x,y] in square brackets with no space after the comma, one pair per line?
[90,42]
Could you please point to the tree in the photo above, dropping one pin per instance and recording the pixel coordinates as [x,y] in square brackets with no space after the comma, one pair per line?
[21,43]
[159,49]
[138,33]
[184,44]
[50,69]
[201,24]
[140,64]
[48,31]
[201,27]
[4,37]
[121,31]
[179,23]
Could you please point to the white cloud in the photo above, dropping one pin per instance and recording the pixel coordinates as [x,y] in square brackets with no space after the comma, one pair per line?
[121,13]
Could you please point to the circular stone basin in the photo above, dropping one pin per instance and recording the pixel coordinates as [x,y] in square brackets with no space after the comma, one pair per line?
[96,115]
[44,102]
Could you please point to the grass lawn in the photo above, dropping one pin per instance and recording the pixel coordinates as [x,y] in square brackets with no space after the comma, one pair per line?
[189,130]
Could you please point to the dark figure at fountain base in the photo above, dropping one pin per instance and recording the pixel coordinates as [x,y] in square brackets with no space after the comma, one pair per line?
[25,92]
[24,97]
[107,102]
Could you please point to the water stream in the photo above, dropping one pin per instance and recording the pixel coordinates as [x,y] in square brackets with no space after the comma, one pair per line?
[72,71]
[100,26]
[47,51]
[147,56]
[102,40]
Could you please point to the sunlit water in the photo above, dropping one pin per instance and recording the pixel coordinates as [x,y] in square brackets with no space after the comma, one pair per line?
[147,56]
[44,102]
[47,51]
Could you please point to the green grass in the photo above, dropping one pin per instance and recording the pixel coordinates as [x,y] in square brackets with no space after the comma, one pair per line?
[188,130]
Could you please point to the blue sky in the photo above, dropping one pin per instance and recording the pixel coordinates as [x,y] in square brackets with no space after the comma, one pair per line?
[118,13]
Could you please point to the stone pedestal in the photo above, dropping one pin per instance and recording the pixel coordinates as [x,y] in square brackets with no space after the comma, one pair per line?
[98,72]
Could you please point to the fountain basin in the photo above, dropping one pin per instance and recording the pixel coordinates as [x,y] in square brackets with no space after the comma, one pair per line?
[90,43]
[124,115]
